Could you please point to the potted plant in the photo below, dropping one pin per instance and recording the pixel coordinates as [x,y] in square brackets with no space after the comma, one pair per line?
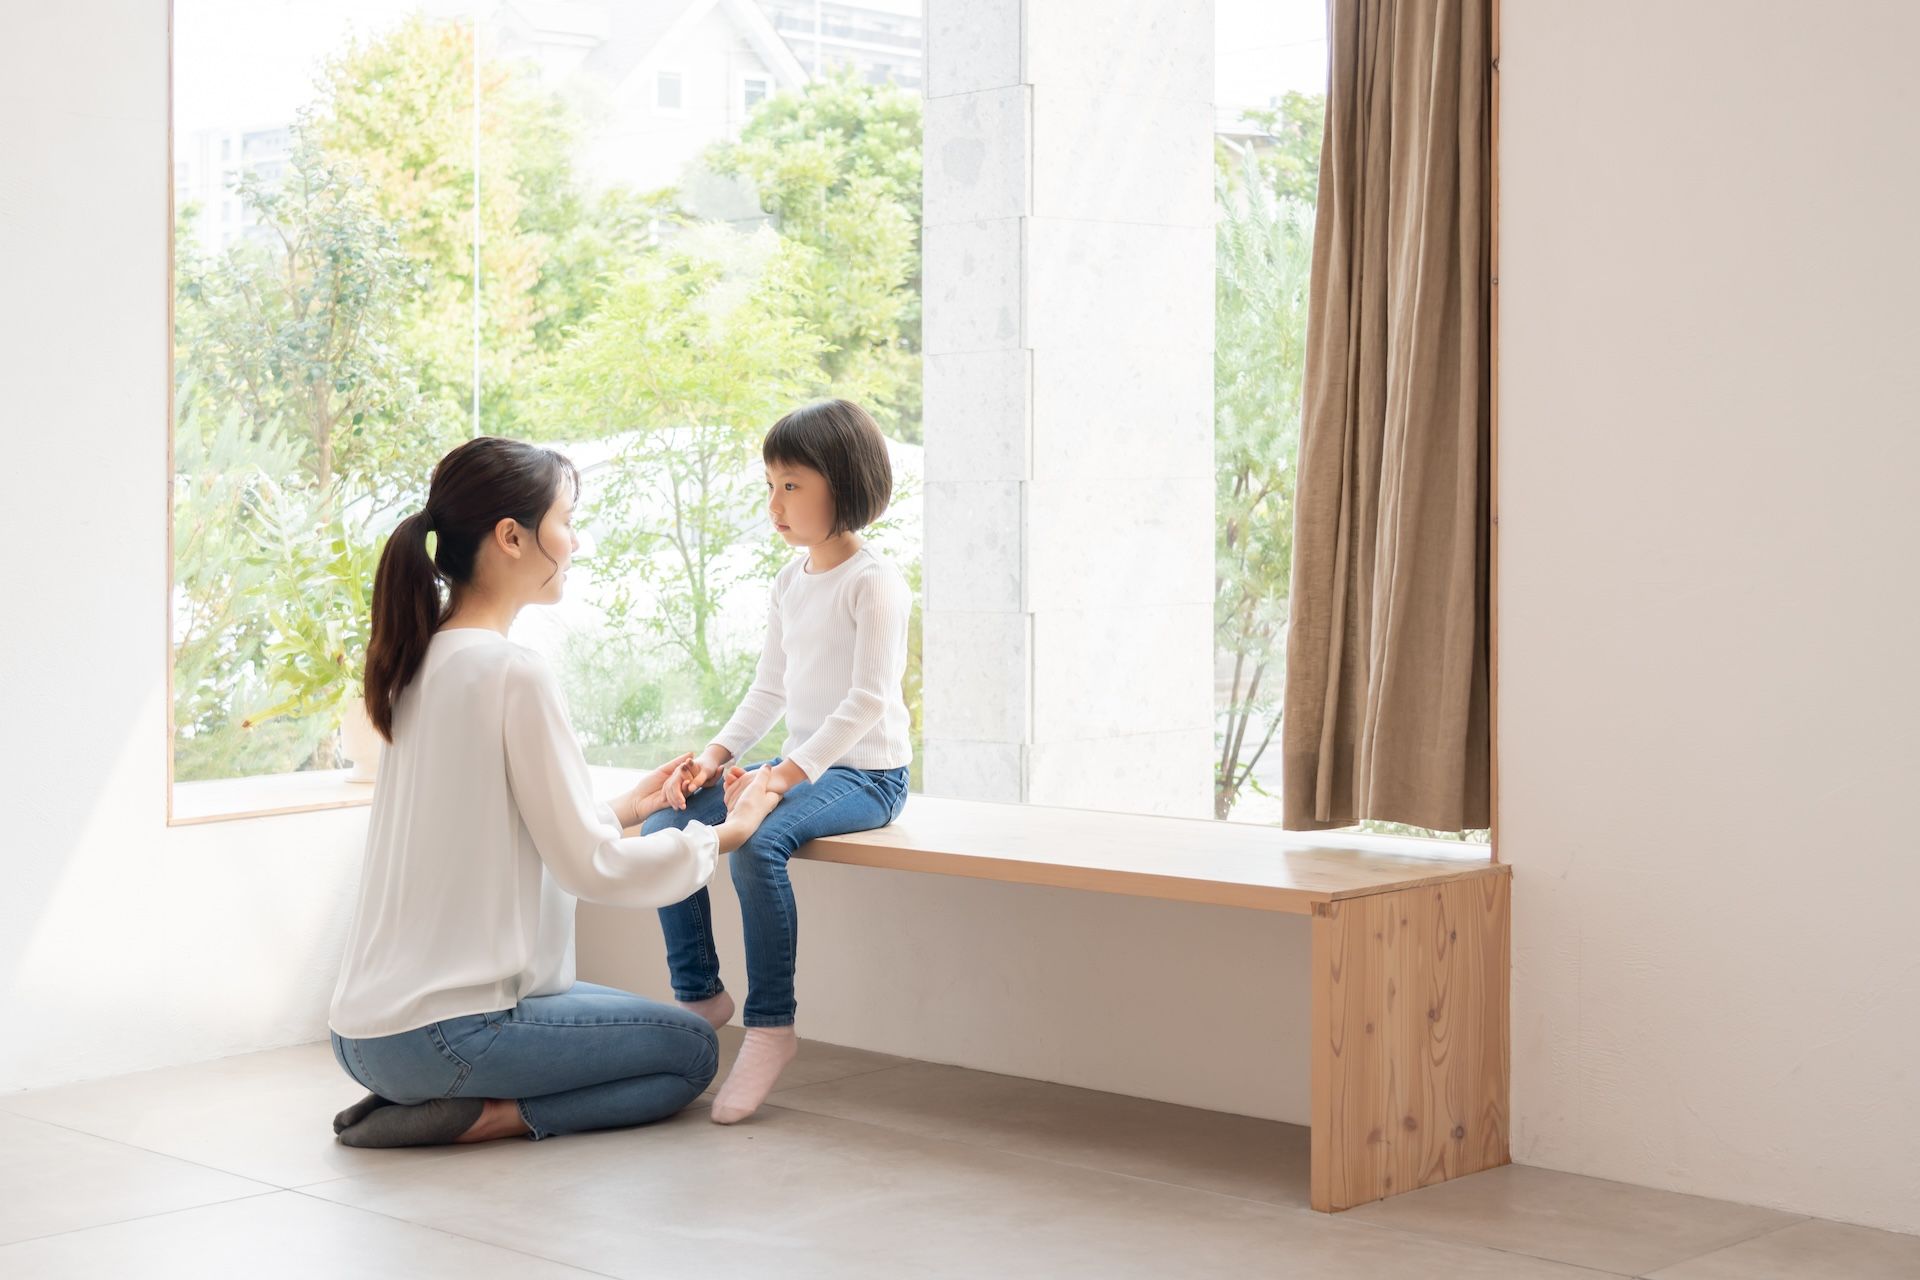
[321,560]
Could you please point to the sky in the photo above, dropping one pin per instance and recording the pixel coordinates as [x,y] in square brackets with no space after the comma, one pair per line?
[245,64]
[1262,48]
[251,63]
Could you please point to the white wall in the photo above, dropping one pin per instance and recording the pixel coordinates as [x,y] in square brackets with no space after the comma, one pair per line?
[1709,605]
[1200,1005]
[123,944]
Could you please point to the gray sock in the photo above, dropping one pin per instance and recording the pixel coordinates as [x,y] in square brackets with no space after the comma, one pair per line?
[433,1123]
[359,1111]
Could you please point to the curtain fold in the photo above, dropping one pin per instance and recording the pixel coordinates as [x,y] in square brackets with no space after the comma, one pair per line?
[1386,699]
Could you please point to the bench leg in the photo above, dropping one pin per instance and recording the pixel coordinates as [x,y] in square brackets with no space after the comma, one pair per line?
[1410,1039]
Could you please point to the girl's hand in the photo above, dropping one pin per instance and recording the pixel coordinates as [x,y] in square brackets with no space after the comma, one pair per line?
[649,794]
[694,773]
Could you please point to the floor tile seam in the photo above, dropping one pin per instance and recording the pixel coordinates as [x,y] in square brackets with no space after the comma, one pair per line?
[448,1231]
[152,1151]
[143,1217]
[817,1084]
[1042,1084]
[1800,1220]
[1285,1206]
[1430,1237]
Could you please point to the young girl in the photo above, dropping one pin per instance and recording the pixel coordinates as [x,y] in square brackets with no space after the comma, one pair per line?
[457,1006]
[835,653]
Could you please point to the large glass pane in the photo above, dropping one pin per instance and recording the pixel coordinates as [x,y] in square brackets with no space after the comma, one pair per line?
[402,224]
[1270,96]
[324,347]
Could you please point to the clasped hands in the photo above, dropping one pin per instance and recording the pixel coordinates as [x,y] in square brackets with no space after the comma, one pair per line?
[750,793]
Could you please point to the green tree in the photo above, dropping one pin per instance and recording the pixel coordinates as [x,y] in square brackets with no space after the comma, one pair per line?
[1264,251]
[320,553]
[1287,157]
[295,411]
[837,165]
[690,356]
[220,663]
[301,328]
[399,110]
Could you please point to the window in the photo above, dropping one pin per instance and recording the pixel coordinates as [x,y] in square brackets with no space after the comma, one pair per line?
[666,92]
[314,390]
[1270,89]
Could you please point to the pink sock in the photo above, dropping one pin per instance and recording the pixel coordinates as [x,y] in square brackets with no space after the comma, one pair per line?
[763,1056]
[717,1010]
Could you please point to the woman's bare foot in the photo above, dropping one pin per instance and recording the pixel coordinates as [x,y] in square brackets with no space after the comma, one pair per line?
[500,1119]
[717,1010]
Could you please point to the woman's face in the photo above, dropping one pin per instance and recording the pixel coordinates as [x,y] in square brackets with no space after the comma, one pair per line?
[548,580]
[800,504]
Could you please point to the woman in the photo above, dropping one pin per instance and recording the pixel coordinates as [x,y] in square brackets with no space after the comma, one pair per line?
[457,1006]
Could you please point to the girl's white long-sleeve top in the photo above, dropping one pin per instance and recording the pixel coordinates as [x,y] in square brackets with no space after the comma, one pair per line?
[484,832]
[834,659]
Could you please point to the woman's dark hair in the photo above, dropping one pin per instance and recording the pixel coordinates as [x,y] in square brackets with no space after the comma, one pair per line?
[838,439]
[473,489]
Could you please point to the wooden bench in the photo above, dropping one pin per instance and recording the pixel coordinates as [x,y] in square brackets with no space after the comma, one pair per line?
[1409,969]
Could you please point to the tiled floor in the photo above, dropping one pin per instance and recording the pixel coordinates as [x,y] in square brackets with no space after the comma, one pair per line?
[864,1165]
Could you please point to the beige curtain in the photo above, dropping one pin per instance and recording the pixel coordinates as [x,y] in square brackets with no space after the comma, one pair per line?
[1386,690]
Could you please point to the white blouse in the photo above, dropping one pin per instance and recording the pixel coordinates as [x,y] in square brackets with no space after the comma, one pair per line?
[484,832]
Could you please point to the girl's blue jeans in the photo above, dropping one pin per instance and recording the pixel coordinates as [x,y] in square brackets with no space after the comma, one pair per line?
[588,1058]
[842,801]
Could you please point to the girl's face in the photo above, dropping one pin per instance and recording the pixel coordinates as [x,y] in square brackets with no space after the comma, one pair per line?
[800,504]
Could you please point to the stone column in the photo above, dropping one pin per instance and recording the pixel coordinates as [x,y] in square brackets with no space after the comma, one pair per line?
[1068,332]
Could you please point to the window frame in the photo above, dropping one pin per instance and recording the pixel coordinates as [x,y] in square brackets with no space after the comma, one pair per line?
[679,106]
[740,82]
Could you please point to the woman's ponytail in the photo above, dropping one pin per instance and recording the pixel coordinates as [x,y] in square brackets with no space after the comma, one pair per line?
[406,612]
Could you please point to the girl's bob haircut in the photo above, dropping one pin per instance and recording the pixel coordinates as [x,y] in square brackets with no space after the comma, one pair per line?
[838,439]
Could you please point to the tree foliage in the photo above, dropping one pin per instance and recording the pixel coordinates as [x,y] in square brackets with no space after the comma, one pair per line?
[837,165]
[1263,254]
[301,328]
[690,357]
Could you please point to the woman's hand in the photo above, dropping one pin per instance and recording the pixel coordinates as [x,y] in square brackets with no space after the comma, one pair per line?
[649,795]
[748,805]
[694,773]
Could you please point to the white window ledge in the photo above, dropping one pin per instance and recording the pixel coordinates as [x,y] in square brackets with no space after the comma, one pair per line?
[228,799]
[231,799]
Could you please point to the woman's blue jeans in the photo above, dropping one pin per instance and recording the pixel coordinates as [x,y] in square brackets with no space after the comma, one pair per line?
[588,1058]
[842,801]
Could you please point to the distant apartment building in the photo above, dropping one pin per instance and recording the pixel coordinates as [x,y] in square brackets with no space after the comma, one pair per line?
[206,167]
[879,41]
